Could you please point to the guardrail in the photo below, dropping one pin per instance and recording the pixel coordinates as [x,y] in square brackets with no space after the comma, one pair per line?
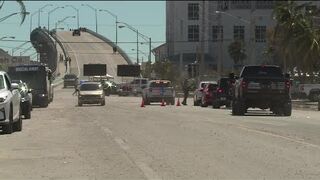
[112,44]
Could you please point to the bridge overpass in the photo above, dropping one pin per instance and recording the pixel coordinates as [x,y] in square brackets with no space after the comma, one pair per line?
[88,48]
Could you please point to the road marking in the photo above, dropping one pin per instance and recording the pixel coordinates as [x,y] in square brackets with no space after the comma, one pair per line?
[148,172]
[296,140]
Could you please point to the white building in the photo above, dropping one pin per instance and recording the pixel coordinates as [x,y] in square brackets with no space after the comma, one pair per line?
[220,23]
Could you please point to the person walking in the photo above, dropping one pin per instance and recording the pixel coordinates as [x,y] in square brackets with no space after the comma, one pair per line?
[185,89]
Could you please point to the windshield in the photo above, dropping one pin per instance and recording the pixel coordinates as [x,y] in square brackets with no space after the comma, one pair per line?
[70,76]
[90,87]
[34,79]
[261,71]
[2,86]
[160,84]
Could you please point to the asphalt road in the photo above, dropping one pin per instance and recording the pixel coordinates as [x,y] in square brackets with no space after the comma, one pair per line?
[86,49]
[124,141]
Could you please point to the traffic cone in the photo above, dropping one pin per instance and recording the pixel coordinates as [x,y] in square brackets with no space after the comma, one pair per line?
[163,103]
[178,102]
[142,103]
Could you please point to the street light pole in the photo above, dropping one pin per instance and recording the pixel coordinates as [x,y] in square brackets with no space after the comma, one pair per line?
[77,10]
[40,10]
[49,15]
[96,14]
[116,18]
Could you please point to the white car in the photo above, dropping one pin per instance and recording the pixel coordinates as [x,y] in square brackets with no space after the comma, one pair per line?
[197,96]
[10,113]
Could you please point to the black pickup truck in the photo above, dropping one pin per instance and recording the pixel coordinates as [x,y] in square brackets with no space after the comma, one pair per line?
[262,87]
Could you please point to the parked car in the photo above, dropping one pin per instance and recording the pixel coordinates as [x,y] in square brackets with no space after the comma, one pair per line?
[109,87]
[197,97]
[10,112]
[208,94]
[124,89]
[70,80]
[311,91]
[158,90]
[91,93]
[223,94]
[262,87]
[26,98]
[138,84]
[76,32]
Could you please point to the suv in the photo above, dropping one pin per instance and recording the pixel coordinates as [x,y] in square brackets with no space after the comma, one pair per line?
[91,93]
[262,87]
[223,94]
[76,32]
[10,113]
[70,80]
[197,97]
[158,90]
[208,94]
[26,98]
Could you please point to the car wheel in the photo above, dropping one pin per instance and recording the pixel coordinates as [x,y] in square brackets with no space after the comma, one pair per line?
[146,101]
[313,96]
[17,126]
[28,115]
[203,103]
[79,104]
[103,103]
[215,105]
[8,129]
[287,109]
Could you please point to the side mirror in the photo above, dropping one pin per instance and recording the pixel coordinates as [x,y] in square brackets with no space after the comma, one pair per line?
[14,86]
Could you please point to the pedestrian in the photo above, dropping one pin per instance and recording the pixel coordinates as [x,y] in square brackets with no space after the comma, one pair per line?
[185,89]
[69,62]
[66,64]
[76,90]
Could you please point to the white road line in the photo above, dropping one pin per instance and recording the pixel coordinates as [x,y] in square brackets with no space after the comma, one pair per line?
[148,172]
[299,141]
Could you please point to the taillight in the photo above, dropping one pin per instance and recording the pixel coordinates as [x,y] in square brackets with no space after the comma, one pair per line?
[244,84]
[219,90]
[288,84]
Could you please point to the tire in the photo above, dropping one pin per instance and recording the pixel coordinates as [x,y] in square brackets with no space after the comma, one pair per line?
[8,128]
[17,126]
[146,102]
[79,103]
[238,108]
[203,104]
[313,96]
[103,103]
[234,108]
[287,109]
[28,115]
[228,104]
[215,105]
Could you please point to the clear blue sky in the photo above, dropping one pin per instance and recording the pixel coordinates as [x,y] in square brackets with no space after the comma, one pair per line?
[146,16]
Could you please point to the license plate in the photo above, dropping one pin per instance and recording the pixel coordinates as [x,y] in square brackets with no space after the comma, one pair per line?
[223,98]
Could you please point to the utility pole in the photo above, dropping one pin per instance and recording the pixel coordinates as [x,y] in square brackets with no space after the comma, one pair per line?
[202,40]
[219,68]
[137,47]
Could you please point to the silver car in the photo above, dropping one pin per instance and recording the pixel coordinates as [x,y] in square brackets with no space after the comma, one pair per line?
[198,92]
[91,93]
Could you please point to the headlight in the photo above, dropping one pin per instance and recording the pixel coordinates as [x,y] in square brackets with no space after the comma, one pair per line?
[3,99]
[42,95]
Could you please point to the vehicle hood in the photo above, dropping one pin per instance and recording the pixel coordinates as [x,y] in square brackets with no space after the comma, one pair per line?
[4,93]
[98,92]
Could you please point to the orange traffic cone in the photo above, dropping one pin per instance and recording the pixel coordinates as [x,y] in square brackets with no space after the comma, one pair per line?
[142,103]
[178,102]
[163,103]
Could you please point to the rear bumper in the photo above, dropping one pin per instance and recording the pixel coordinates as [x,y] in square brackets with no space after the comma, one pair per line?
[85,100]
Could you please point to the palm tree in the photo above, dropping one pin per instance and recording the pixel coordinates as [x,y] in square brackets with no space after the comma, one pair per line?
[237,52]
[295,38]
[23,11]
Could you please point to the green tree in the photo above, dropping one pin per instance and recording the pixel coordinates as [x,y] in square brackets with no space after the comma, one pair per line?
[295,38]
[166,70]
[22,9]
[237,52]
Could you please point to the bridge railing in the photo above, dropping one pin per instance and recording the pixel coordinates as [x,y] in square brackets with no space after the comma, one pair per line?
[112,44]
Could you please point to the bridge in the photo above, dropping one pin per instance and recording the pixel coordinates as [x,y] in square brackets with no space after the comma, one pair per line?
[89,47]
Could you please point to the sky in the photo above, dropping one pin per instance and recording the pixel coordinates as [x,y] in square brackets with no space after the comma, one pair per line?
[146,16]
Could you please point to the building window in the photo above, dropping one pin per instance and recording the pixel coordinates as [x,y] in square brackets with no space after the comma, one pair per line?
[240,4]
[193,11]
[193,33]
[238,33]
[217,33]
[265,4]
[260,33]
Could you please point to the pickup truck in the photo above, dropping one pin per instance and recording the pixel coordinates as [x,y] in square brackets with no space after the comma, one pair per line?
[312,91]
[10,113]
[262,87]
[158,90]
